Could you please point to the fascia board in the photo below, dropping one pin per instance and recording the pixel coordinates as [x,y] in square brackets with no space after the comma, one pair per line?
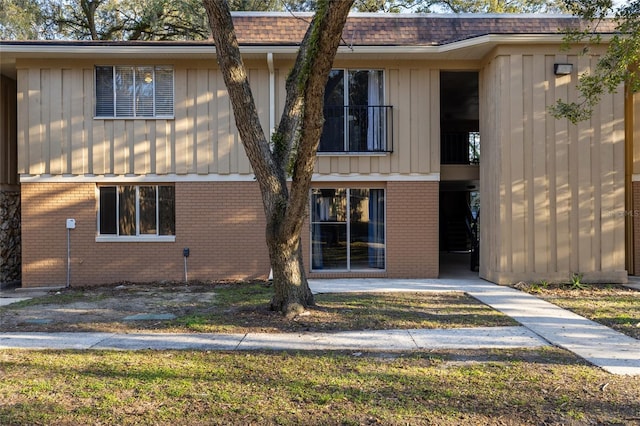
[44,50]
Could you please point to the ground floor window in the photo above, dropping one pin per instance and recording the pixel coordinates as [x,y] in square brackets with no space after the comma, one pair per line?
[347,229]
[136,210]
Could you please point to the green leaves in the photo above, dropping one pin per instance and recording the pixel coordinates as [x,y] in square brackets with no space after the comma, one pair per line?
[616,67]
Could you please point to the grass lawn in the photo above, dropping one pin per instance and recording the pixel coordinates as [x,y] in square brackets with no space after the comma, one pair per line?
[545,386]
[532,387]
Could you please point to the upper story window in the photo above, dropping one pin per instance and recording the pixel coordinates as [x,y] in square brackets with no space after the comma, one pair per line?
[134,91]
[356,119]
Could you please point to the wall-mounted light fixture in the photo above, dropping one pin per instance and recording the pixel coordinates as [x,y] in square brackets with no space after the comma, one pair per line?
[562,69]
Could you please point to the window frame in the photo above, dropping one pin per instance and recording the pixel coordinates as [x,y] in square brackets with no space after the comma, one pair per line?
[135,116]
[346,85]
[138,237]
[349,268]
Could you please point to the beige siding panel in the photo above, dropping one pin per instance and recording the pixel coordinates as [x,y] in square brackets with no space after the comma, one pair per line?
[202,151]
[193,95]
[619,164]
[212,133]
[46,116]
[390,163]
[87,131]
[78,143]
[35,140]
[404,121]
[539,198]
[109,148]
[607,184]
[161,161]
[23,120]
[518,189]
[56,132]
[119,147]
[415,118]
[224,122]
[550,129]
[141,147]
[98,154]
[181,142]
[433,133]
[563,194]
[527,183]
[67,119]
[506,184]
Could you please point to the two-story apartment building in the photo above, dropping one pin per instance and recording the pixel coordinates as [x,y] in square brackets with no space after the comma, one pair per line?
[137,143]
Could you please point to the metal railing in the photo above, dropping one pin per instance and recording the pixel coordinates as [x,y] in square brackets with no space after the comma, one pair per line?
[358,129]
[460,148]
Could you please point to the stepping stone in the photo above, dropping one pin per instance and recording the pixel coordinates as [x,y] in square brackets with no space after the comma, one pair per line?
[149,317]
[39,321]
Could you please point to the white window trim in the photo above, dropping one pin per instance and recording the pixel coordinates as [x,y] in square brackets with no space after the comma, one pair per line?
[134,117]
[138,238]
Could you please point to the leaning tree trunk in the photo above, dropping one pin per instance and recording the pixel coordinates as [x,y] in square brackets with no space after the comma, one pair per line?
[294,144]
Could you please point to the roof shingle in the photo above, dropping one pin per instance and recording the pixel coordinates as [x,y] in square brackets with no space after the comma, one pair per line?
[400,30]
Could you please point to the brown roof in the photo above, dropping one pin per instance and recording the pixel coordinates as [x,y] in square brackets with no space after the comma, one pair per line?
[400,30]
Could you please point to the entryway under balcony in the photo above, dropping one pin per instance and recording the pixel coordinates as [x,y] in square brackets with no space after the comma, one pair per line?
[459,172]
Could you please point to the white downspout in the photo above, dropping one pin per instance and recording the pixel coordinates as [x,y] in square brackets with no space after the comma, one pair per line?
[272,95]
[272,109]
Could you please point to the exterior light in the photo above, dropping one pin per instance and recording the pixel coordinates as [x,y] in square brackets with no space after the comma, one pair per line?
[562,69]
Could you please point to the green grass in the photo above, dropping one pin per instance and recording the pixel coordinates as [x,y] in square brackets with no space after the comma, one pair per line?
[546,386]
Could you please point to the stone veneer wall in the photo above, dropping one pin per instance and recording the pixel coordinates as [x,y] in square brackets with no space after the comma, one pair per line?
[10,247]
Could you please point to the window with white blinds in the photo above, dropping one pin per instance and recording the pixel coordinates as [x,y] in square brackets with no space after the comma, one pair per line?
[134,91]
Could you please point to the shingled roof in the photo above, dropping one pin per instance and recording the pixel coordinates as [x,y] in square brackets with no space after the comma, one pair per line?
[400,29]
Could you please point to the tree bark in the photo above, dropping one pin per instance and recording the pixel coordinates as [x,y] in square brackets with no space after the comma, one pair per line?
[294,144]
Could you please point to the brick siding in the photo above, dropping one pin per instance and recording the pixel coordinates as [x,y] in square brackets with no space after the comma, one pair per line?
[221,223]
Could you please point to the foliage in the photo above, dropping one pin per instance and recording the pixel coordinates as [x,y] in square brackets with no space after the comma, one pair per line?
[186,19]
[21,20]
[490,6]
[617,66]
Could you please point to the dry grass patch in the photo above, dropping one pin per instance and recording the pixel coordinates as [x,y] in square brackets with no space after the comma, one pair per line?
[240,308]
[498,387]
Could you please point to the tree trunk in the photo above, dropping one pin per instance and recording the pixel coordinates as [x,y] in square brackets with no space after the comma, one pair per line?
[291,289]
[294,144]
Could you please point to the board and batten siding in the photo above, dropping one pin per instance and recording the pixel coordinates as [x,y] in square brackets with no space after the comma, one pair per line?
[413,90]
[58,134]
[553,193]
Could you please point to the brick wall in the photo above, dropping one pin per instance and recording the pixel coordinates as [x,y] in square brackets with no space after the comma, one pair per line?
[221,223]
[412,231]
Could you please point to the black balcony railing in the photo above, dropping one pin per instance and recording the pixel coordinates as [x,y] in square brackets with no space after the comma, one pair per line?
[460,148]
[365,129]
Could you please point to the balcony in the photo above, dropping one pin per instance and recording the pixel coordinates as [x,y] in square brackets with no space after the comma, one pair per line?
[460,148]
[357,129]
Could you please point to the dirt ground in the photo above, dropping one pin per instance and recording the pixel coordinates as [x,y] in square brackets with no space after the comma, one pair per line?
[93,309]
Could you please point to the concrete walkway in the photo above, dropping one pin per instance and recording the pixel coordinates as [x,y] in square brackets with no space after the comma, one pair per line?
[541,324]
